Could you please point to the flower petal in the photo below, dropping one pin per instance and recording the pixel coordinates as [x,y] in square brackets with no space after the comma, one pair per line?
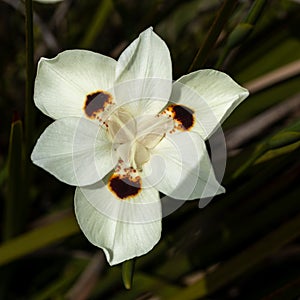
[146,57]
[75,150]
[180,168]
[124,229]
[151,129]
[63,83]
[211,94]
[144,74]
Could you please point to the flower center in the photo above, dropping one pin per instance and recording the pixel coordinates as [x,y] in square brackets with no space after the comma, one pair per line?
[134,137]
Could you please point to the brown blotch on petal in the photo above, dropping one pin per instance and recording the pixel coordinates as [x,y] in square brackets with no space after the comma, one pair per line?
[96,102]
[124,187]
[183,115]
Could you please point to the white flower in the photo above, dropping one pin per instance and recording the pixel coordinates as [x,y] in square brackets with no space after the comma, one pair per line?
[123,132]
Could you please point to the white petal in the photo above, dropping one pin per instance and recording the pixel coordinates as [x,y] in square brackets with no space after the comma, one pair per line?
[144,74]
[211,94]
[151,129]
[123,229]
[140,154]
[143,96]
[146,57]
[75,150]
[62,83]
[180,168]
[121,126]
[143,207]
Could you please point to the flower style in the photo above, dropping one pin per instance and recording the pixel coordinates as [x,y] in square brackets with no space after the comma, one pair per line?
[123,132]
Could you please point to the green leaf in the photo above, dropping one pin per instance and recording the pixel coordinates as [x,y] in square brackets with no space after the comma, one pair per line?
[37,238]
[103,12]
[284,141]
[271,154]
[243,262]
[60,285]
[239,34]
[143,283]
[13,213]
[220,21]
[242,30]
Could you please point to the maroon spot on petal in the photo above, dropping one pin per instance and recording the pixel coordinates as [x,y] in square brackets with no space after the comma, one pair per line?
[124,187]
[183,115]
[96,102]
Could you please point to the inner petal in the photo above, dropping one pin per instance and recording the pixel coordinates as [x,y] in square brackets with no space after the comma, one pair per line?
[134,137]
[151,129]
[121,126]
[140,155]
[133,154]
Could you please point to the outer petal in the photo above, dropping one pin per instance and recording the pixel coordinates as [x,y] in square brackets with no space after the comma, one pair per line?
[62,83]
[96,211]
[146,57]
[75,150]
[211,94]
[180,168]
[144,74]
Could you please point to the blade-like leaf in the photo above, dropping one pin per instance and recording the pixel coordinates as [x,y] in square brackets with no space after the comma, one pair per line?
[37,239]
[288,137]
[13,217]
[243,262]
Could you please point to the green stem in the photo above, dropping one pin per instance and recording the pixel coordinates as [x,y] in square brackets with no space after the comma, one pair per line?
[213,34]
[127,272]
[29,76]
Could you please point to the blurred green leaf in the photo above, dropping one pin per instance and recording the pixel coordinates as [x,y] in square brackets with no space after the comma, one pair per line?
[60,285]
[37,238]
[242,30]
[240,33]
[145,282]
[271,154]
[243,262]
[13,213]
[208,44]
[287,137]
[98,22]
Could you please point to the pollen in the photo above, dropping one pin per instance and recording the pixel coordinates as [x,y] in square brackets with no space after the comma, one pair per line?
[96,103]
[125,186]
